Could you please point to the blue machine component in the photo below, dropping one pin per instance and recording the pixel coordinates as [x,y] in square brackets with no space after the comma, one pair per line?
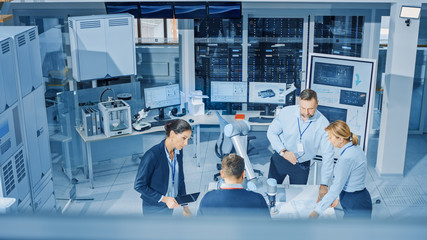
[353,98]
[269,93]
[333,74]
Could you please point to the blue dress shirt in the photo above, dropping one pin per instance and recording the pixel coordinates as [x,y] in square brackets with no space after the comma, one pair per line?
[173,174]
[349,175]
[284,133]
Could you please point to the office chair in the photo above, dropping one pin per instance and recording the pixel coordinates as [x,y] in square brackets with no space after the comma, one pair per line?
[224,145]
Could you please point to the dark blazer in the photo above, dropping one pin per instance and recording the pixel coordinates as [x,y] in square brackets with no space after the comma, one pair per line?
[234,203]
[153,176]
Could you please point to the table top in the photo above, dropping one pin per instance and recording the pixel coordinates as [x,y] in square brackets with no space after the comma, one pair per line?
[300,200]
[209,118]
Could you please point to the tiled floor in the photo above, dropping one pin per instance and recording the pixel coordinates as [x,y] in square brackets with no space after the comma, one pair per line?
[401,197]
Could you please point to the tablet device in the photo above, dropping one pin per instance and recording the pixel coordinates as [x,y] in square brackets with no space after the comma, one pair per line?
[187,198]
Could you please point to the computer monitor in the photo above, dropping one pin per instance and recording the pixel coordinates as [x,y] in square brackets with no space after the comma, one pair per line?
[161,97]
[229,92]
[267,93]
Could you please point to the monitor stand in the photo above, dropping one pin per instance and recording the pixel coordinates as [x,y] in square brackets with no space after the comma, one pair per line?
[229,109]
[267,111]
[162,116]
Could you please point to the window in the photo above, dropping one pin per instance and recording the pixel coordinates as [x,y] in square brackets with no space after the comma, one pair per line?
[158,31]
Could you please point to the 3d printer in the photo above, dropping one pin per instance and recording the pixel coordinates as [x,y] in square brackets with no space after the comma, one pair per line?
[115,117]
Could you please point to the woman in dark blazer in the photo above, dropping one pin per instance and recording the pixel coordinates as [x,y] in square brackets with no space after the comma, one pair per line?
[160,176]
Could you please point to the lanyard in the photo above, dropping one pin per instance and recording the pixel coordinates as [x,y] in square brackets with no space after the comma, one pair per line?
[346,149]
[173,169]
[299,129]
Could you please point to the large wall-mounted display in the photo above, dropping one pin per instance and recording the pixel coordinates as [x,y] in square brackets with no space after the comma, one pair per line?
[345,89]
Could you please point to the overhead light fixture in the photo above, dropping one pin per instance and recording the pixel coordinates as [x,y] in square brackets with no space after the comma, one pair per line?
[410,13]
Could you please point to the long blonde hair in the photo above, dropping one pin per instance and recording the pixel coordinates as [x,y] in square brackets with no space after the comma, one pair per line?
[340,129]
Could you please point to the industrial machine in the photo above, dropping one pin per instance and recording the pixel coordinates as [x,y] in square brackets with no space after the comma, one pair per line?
[115,117]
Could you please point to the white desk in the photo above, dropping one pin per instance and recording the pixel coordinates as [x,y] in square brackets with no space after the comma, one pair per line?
[209,118]
[300,202]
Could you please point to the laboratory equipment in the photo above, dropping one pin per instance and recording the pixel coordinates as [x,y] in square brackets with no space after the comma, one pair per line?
[238,132]
[161,97]
[115,117]
[229,92]
[107,39]
[195,103]
[138,125]
[271,193]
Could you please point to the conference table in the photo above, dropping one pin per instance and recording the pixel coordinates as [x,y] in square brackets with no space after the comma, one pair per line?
[209,118]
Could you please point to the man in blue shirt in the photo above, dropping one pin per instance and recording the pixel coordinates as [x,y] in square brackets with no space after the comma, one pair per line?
[296,135]
[232,199]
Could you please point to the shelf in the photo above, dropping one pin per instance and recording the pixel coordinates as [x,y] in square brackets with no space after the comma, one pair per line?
[5,18]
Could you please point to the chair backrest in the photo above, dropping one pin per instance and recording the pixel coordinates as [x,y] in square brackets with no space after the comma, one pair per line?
[224,145]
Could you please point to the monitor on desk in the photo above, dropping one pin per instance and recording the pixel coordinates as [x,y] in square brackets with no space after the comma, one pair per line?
[267,93]
[161,97]
[229,92]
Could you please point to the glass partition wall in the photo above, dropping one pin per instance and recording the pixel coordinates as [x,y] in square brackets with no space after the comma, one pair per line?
[276,50]
[218,50]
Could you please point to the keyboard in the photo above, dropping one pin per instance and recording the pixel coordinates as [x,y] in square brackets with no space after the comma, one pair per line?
[261,119]
[158,123]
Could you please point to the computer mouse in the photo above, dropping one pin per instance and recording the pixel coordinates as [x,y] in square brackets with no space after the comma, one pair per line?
[191,120]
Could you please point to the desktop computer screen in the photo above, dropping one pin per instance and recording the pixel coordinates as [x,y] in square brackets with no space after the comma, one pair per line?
[161,97]
[266,92]
[228,92]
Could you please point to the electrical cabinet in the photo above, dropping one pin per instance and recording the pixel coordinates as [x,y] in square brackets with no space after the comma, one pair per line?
[26,167]
[8,91]
[27,48]
[37,134]
[14,178]
[102,46]
[10,133]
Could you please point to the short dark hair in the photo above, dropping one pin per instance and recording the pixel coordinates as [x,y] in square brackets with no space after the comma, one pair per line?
[308,94]
[177,126]
[233,165]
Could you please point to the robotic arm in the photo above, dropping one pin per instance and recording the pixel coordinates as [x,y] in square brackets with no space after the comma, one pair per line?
[238,133]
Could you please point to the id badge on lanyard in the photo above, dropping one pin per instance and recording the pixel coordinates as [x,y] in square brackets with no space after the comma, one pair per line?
[300,147]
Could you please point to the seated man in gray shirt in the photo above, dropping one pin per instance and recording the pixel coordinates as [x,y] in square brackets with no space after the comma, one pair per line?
[232,199]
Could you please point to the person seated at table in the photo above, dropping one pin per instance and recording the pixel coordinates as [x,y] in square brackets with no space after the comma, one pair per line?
[232,199]
[160,176]
[349,175]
